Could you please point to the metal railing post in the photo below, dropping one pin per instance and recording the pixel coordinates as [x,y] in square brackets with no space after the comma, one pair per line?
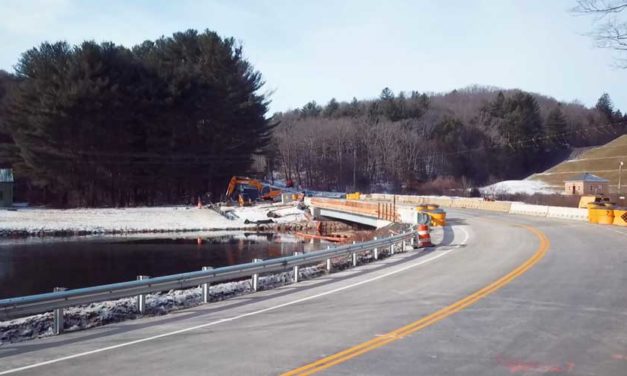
[392,249]
[354,255]
[205,287]
[296,268]
[141,298]
[375,251]
[329,261]
[58,315]
[255,279]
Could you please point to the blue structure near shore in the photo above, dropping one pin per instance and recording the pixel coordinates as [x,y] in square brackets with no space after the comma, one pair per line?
[6,187]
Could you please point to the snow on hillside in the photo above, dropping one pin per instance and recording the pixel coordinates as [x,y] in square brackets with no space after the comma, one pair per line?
[528,187]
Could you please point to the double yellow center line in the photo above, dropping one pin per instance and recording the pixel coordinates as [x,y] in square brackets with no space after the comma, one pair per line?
[426,321]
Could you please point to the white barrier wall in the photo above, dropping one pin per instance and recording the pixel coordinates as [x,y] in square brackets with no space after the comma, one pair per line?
[478,203]
[568,213]
[535,210]
[408,214]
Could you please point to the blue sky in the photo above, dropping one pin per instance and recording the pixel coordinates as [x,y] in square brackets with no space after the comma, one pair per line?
[316,50]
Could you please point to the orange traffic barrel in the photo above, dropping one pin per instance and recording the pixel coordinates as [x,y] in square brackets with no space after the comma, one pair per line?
[424,239]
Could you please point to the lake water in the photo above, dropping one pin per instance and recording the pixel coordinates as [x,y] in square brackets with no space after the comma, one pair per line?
[32,266]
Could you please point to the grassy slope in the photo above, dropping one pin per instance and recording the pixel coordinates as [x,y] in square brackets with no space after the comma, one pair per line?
[602,161]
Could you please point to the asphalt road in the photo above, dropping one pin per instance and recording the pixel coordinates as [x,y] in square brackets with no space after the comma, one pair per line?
[488,301]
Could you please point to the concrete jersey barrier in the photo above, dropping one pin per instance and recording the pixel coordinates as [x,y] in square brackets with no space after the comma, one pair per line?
[526,209]
[567,213]
[496,206]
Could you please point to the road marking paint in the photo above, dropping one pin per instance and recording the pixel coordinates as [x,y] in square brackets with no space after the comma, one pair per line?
[394,335]
[213,323]
[519,366]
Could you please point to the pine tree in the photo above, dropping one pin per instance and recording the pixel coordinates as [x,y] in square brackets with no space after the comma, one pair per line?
[331,108]
[605,107]
[102,124]
[555,125]
[311,109]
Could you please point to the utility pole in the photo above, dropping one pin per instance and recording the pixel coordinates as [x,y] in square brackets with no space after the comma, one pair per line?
[354,168]
[620,173]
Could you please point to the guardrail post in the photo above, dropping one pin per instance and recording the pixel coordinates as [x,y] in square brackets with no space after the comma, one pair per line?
[329,262]
[141,298]
[354,255]
[58,315]
[392,249]
[375,251]
[404,244]
[296,268]
[255,281]
[205,287]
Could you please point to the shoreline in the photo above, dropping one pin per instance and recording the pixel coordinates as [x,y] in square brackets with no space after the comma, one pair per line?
[38,222]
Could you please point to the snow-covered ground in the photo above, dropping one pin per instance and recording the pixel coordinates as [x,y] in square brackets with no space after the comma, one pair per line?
[528,187]
[38,221]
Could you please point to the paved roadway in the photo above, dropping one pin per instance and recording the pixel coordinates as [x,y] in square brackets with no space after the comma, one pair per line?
[565,314]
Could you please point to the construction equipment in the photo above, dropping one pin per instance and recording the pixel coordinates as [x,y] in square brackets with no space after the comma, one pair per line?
[246,191]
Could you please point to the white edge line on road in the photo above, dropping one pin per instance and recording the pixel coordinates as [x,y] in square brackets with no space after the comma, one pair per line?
[113,347]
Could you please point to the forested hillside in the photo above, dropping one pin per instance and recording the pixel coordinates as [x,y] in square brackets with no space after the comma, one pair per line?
[102,124]
[427,142]
[162,122]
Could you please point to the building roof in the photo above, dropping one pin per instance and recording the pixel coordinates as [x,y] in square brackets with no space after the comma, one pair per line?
[6,175]
[589,178]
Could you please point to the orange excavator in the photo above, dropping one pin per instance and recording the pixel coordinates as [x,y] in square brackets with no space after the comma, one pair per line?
[246,191]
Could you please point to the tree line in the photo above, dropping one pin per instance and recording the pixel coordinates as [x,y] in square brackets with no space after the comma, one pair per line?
[102,124]
[165,121]
[405,142]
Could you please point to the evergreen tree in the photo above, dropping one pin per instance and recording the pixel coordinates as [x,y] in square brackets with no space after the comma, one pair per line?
[605,107]
[555,128]
[386,94]
[311,109]
[331,108]
[389,106]
[101,124]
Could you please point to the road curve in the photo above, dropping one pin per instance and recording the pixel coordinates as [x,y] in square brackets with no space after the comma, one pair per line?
[566,313]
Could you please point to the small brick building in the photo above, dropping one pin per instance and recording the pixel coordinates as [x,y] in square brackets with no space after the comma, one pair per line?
[6,187]
[586,184]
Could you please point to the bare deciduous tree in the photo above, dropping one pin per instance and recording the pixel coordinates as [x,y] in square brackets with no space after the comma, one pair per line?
[610,24]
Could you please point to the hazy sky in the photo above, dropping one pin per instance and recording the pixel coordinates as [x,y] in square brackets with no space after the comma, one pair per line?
[316,50]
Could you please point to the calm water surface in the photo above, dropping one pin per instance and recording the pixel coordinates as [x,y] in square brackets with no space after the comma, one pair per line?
[34,266]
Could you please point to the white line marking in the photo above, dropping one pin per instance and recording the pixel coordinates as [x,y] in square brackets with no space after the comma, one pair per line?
[410,266]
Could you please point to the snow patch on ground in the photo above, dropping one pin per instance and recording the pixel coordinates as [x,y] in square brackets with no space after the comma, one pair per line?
[174,218]
[528,187]
[40,221]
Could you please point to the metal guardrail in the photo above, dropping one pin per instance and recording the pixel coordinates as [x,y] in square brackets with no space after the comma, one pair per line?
[40,303]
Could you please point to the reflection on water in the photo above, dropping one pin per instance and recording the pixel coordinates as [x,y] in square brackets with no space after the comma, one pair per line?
[31,267]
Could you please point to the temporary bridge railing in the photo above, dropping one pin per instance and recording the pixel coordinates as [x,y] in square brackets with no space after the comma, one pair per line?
[57,300]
